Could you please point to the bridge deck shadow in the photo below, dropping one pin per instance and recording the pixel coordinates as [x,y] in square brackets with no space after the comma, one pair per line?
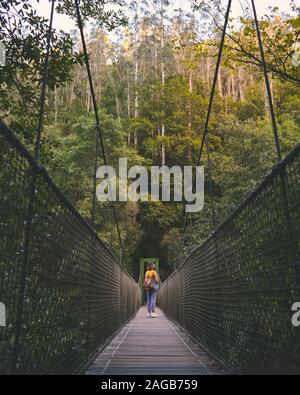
[153,346]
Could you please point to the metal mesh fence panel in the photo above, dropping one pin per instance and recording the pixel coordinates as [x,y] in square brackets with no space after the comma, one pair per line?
[234,293]
[64,291]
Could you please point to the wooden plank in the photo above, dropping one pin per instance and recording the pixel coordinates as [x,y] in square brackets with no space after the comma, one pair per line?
[153,346]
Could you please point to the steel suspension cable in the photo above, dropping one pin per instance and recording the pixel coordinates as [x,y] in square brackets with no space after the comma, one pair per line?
[95,107]
[212,94]
[44,86]
[267,83]
[212,200]
[290,229]
[95,178]
[30,208]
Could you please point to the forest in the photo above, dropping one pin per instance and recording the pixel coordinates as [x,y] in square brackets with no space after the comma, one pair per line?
[153,65]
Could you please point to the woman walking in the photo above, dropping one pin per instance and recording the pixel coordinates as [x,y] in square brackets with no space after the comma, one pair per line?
[151,284]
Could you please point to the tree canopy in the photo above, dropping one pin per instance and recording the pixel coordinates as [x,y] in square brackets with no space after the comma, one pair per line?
[152,71]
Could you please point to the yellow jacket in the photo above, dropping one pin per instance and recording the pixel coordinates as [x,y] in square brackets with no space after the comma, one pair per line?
[152,274]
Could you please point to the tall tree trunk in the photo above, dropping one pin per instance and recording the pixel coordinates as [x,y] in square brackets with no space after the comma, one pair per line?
[233,86]
[71,94]
[162,44]
[55,104]
[208,69]
[136,94]
[240,76]
[155,57]
[117,101]
[189,152]
[190,99]
[101,68]
[128,104]
[220,89]
[87,98]
[136,70]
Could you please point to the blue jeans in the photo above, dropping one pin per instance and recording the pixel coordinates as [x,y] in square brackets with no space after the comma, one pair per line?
[151,299]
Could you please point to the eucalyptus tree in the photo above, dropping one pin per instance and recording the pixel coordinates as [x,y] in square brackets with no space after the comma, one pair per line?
[137,10]
[280,34]
[24,34]
[161,6]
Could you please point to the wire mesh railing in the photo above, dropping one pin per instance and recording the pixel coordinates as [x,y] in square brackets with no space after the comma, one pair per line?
[64,291]
[234,294]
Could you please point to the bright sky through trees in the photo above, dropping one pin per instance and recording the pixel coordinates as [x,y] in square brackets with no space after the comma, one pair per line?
[65,23]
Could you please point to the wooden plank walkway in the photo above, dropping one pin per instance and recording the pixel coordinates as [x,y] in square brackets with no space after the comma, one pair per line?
[153,346]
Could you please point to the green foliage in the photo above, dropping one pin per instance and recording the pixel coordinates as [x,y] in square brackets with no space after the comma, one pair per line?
[103,11]
[24,35]
[246,155]
[136,101]
[170,242]
[72,151]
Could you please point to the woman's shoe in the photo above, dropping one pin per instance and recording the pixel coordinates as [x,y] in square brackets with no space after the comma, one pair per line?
[153,315]
[148,315]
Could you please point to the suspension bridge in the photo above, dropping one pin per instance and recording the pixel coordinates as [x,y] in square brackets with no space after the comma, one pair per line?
[71,306]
